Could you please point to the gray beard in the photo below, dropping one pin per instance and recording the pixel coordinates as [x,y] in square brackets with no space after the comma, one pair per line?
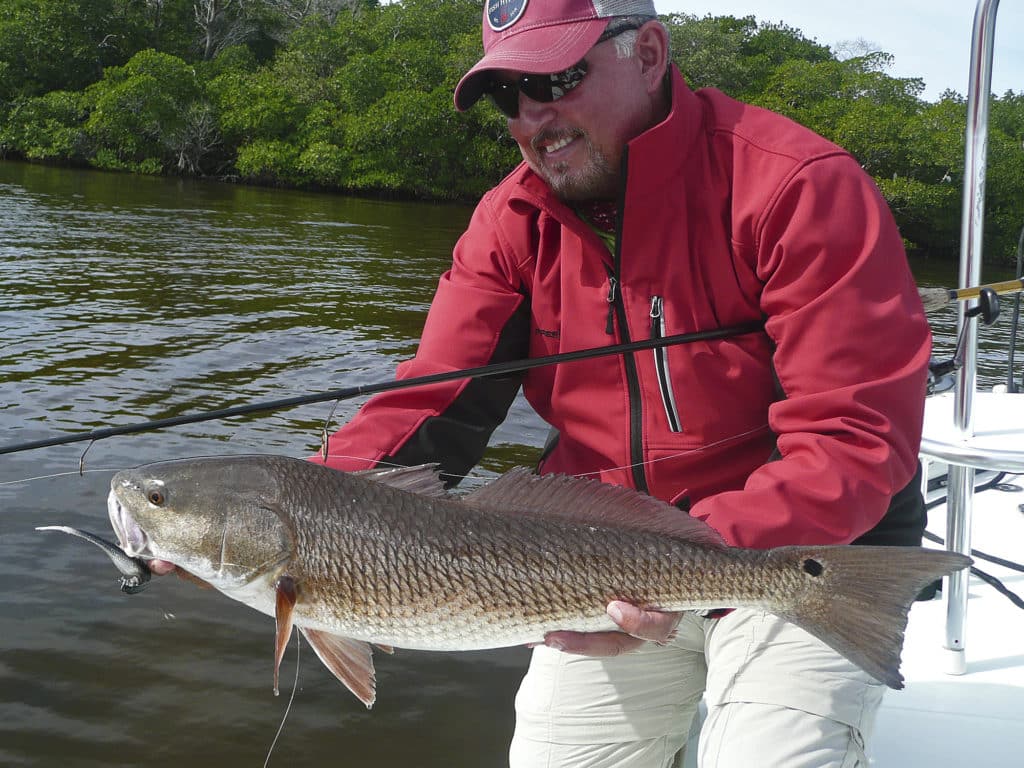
[596,180]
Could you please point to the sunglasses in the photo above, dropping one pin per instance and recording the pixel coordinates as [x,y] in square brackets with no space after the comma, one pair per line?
[548,88]
[542,88]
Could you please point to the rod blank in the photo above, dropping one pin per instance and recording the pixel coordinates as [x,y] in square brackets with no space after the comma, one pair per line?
[495,369]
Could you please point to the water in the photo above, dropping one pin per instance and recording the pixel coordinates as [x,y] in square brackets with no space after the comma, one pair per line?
[126,299]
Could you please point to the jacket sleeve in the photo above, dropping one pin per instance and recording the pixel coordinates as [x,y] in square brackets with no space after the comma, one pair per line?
[479,315]
[851,349]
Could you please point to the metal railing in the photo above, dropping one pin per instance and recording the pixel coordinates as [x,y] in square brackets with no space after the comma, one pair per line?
[961,476]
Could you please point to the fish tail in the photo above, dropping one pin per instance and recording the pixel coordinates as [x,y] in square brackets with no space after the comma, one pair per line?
[856,598]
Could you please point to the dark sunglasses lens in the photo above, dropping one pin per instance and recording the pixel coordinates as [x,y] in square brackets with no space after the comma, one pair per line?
[505,97]
[541,88]
[548,88]
[538,87]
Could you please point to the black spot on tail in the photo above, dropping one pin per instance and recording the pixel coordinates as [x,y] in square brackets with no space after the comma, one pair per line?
[813,567]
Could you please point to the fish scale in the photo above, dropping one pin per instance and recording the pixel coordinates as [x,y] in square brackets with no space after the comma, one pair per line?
[392,586]
[389,558]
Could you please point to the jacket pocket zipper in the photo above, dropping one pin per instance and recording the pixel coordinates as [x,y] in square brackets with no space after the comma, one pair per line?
[609,326]
[668,398]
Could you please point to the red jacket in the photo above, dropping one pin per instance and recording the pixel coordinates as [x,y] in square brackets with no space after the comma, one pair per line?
[801,433]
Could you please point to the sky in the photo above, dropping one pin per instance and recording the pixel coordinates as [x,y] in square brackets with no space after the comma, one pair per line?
[930,39]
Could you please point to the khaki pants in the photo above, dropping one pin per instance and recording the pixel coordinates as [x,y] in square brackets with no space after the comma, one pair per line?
[776,698]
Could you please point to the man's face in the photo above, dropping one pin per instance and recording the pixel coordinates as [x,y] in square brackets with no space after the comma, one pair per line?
[576,143]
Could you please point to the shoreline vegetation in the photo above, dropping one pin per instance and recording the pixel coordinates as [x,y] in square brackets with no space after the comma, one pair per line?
[355,97]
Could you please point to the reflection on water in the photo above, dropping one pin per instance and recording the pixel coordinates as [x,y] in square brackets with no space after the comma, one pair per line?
[125,299]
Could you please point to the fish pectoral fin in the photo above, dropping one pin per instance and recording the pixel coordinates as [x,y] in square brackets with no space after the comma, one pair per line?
[351,661]
[284,610]
[389,649]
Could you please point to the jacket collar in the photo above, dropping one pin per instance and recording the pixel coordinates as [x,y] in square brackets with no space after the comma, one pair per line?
[658,155]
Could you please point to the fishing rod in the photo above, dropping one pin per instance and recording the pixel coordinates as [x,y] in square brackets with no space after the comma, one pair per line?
[483,371]
[939,298]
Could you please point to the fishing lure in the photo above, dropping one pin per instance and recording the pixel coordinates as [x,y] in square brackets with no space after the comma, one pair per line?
[135,573]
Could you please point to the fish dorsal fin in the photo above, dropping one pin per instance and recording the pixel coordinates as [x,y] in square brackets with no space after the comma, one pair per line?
[585,501]
[424,479]
[351,661]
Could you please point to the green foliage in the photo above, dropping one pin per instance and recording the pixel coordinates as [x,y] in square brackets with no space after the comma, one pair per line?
[737,56]
[934,141]
[167,26]
[47,127]
[234,58]
[269,161]
[401,139]
[314,53]
[324,164]
[928,214]
[356,95]
[137,111]
[54,44]
[254,105]
[1004,191]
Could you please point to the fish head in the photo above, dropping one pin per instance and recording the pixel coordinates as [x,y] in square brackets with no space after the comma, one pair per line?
[216,518]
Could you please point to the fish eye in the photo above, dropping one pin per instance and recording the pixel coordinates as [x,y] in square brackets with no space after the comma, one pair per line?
[155,496]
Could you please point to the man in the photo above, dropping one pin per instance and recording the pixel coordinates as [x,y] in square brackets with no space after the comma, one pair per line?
[643,208]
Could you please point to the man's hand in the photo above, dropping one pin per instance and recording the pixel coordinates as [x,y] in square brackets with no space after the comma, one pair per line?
[638,627]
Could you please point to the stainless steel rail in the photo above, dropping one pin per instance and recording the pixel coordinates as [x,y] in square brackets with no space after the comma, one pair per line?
[961,474]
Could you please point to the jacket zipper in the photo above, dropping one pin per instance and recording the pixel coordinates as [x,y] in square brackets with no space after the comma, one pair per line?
[668,398]
[613,285]
[617,312]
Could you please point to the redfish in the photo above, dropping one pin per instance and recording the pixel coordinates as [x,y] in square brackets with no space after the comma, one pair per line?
[389,558]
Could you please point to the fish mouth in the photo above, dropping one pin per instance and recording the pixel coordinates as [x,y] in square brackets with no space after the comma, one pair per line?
[130,536]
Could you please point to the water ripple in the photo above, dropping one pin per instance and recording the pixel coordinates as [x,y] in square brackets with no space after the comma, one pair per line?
[128,299]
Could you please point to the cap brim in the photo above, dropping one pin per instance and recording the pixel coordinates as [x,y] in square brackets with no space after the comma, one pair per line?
[534,51]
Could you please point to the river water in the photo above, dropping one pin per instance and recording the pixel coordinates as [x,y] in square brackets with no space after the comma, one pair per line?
[125,299]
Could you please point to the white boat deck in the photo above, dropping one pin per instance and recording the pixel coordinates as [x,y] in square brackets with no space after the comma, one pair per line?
[976,719]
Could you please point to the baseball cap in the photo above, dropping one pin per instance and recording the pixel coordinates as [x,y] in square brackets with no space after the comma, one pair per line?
[540,37]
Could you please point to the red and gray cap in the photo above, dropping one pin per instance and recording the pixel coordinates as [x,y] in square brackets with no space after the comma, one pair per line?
[539,37]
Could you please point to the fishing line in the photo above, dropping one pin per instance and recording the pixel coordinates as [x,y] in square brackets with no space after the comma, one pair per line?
[648,462]
[70,472]
[669,457]
[57,474]
[81,459]
[288,708]
[324,437]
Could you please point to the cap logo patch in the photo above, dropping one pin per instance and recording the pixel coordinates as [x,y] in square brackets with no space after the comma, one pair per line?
[502,14]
